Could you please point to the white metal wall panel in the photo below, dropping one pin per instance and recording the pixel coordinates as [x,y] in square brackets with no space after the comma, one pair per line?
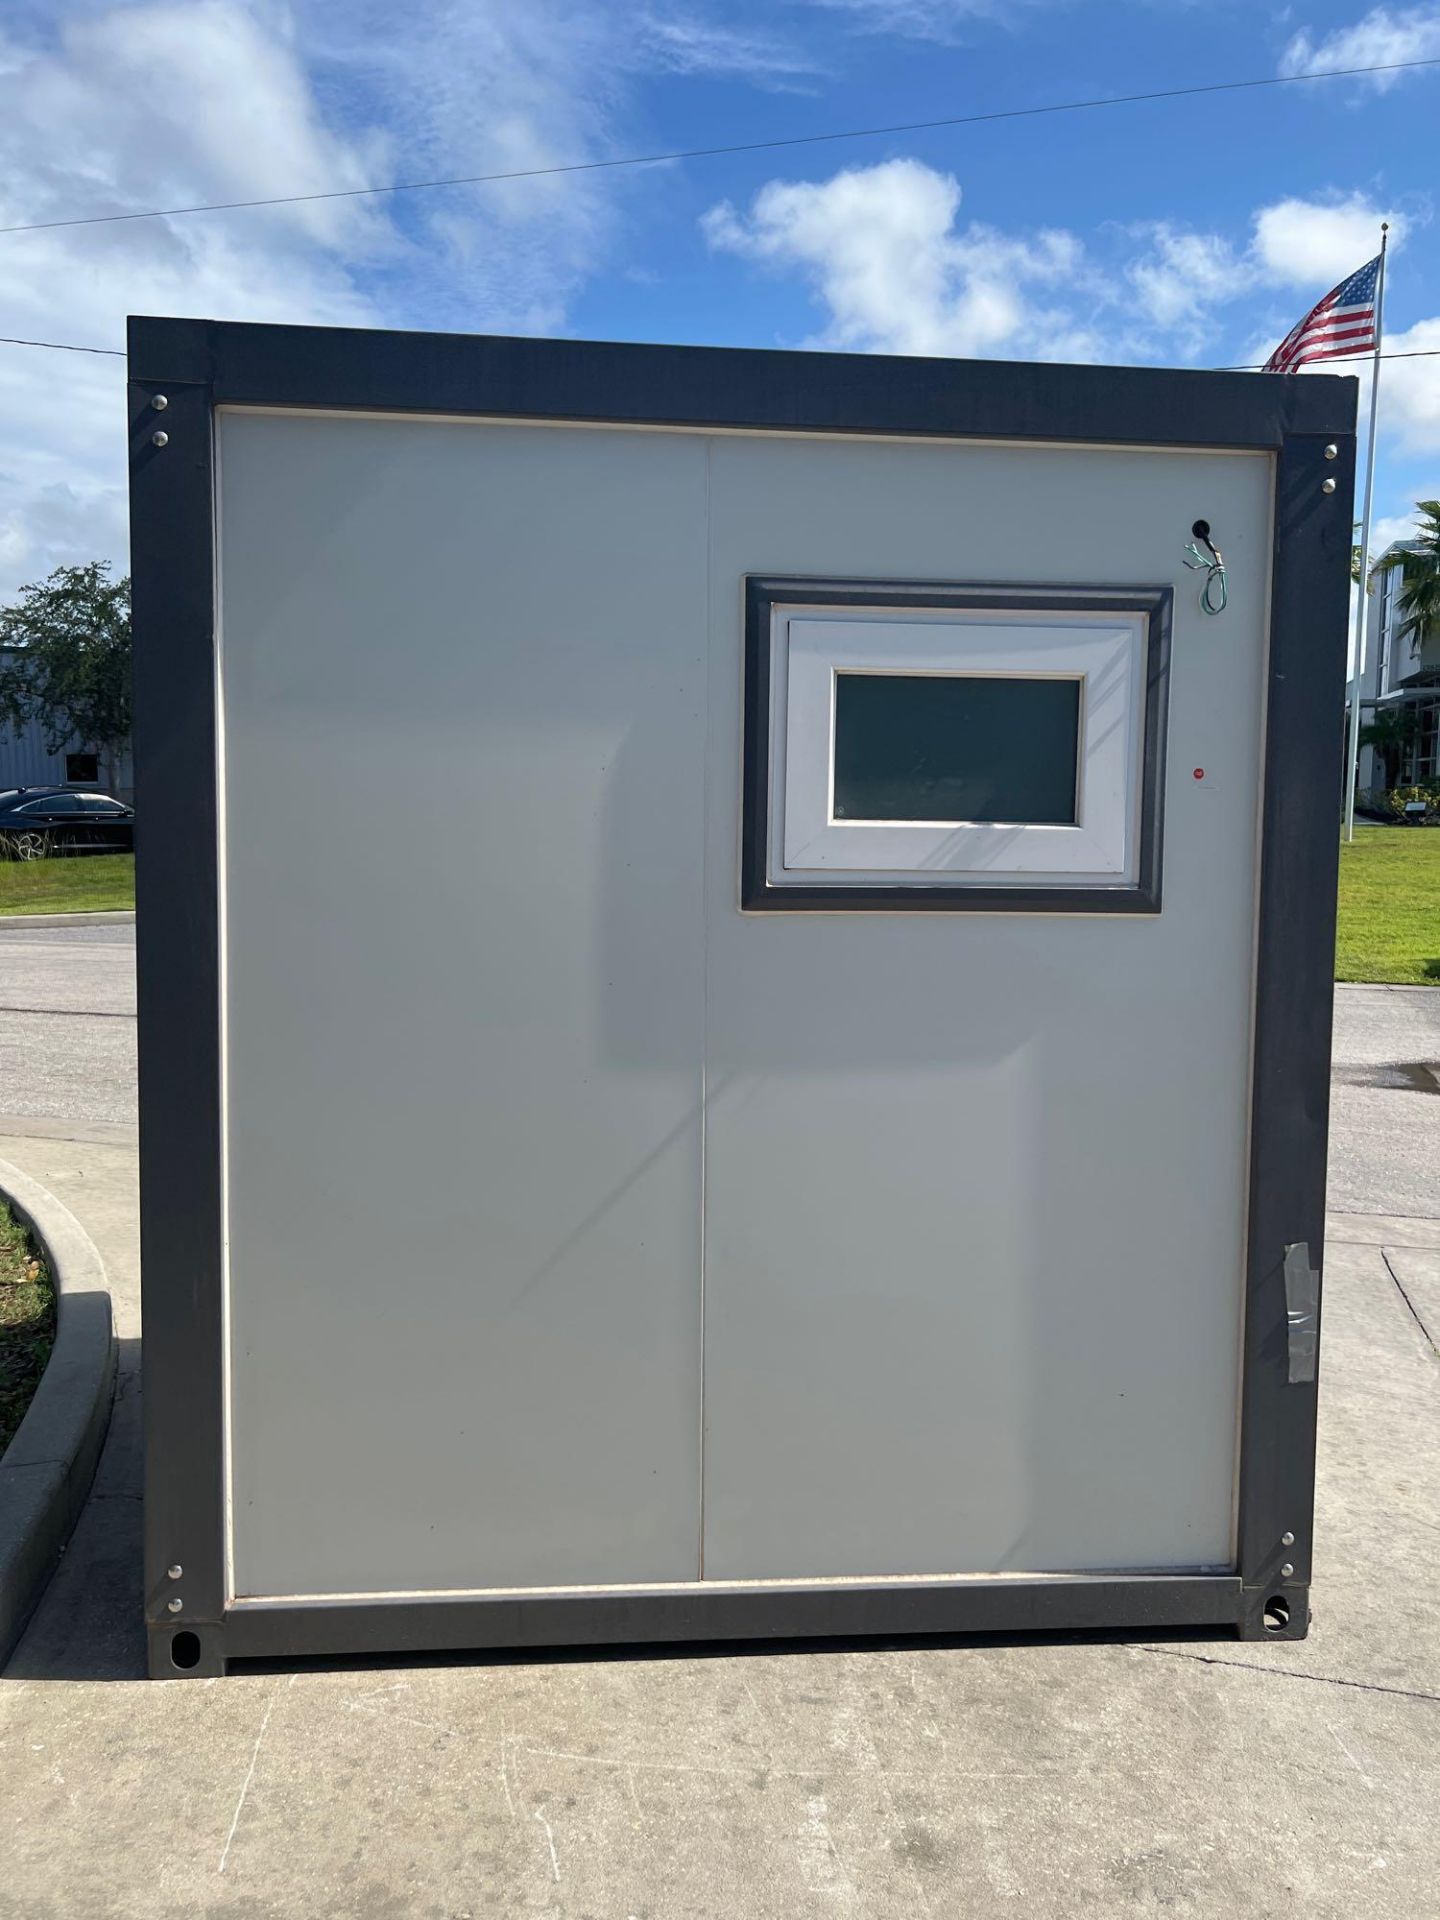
[464,1005]
[975,1182]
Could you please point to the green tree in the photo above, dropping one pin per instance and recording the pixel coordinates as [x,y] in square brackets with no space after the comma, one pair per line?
[1389,733]
[71,667]
[1420,602]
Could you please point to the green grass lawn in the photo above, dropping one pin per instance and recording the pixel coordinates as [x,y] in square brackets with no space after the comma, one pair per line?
[95,884]
[1390,906]
[27,1322]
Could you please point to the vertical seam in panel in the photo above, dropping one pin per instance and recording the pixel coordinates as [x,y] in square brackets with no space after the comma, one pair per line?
[705,779]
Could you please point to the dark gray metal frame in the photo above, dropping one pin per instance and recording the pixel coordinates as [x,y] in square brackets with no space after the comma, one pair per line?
[1142,895]
[1306,423]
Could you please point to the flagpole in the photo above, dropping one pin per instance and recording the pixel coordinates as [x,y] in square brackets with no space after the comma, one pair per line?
[1352,744]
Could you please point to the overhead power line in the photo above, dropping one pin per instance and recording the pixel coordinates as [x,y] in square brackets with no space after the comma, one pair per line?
[1411,353]
[60,346]
[1252,366]
[711,153]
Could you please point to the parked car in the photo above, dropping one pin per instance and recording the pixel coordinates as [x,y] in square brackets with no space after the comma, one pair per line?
[38,821]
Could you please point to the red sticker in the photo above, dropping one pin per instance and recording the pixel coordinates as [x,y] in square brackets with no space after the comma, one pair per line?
[1199,773]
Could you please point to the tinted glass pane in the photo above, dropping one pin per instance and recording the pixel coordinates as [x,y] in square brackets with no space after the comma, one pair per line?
[956,747]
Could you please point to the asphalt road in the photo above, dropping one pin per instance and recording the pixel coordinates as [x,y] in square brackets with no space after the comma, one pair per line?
[67,1055]
[67,1023]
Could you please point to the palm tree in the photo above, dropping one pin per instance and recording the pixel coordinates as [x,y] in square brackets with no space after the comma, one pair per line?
[1420,602]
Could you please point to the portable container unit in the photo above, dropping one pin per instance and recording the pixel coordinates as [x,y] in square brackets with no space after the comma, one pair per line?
[800,1108]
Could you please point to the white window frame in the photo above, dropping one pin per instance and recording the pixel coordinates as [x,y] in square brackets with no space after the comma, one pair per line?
[810,645]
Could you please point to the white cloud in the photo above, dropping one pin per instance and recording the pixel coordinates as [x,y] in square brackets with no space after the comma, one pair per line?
[881,248]
[1383,38]
[485,86]
[941,21]
[248,126]
[893,270]
[497,86]
[1312,245]
[168,102]
[1182,276]
[1410,389]
[685,44]
[109,109]
[1305,242]
[1386,529]
[165,104]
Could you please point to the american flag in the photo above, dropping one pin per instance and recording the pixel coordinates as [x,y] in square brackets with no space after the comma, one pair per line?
[1343,323]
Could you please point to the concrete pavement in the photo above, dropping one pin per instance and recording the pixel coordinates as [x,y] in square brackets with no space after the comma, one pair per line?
[1385,1100]
[1197,1774]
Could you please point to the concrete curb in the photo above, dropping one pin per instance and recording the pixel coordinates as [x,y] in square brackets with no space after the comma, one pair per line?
[120,917]
[46,1470]
[1385,986]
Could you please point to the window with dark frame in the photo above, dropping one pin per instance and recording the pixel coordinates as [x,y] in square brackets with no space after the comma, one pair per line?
[953,746]
[82,768]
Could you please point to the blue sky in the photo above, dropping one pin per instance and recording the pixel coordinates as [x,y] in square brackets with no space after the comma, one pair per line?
[1190,232]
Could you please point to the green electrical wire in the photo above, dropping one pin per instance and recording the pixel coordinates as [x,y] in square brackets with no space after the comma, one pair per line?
[1215,594]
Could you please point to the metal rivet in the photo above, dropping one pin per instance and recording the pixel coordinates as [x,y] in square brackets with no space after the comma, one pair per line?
[1331,452]
[1287,1539]
[160,402]
[175,1572]
[158,439]
[1327,486]
[175,1605]
[1285,1573]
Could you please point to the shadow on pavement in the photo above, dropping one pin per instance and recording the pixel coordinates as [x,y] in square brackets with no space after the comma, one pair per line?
[88,1625]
